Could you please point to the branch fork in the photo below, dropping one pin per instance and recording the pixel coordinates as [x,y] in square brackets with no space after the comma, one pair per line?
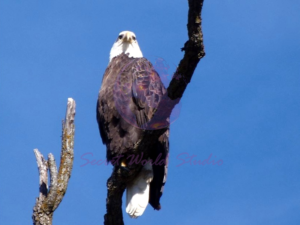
[50,197]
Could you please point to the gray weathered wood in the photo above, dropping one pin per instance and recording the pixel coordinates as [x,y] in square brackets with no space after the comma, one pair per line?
[50,198]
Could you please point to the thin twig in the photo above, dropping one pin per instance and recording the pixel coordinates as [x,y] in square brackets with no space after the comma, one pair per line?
[53,182]
[43,174]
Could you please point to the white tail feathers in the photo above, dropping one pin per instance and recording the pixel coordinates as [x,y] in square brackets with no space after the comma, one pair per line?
[137,194]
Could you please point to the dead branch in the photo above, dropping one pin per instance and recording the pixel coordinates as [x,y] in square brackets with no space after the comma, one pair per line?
[194,51]
[50,198]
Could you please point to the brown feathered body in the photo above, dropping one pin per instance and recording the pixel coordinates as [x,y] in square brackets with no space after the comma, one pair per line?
[130,93]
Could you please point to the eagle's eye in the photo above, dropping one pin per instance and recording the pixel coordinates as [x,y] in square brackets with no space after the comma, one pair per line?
[133,38]
[121,36]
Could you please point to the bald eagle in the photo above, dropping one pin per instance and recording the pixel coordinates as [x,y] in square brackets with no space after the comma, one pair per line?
[129,96]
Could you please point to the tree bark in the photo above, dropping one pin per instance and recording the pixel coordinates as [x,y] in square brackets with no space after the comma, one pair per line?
[50,198]
[194,51]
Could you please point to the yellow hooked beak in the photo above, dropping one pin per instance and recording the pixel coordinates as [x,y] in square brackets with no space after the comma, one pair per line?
[127,37]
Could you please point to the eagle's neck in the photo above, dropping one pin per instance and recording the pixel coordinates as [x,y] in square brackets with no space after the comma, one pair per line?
[133,50]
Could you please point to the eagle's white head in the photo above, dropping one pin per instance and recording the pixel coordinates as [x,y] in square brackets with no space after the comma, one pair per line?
[127,43]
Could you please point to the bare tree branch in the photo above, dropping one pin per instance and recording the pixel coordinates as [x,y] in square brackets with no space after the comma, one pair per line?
[43,168]
[67,153]
[50,198]
[194,51]
[53,182]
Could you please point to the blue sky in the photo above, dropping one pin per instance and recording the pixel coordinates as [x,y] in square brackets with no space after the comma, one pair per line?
[242,107]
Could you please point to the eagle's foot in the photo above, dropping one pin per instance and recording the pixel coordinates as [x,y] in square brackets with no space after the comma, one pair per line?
[124,165]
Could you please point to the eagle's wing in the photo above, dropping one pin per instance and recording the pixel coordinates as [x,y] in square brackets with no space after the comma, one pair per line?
[160,170]
[147,90]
